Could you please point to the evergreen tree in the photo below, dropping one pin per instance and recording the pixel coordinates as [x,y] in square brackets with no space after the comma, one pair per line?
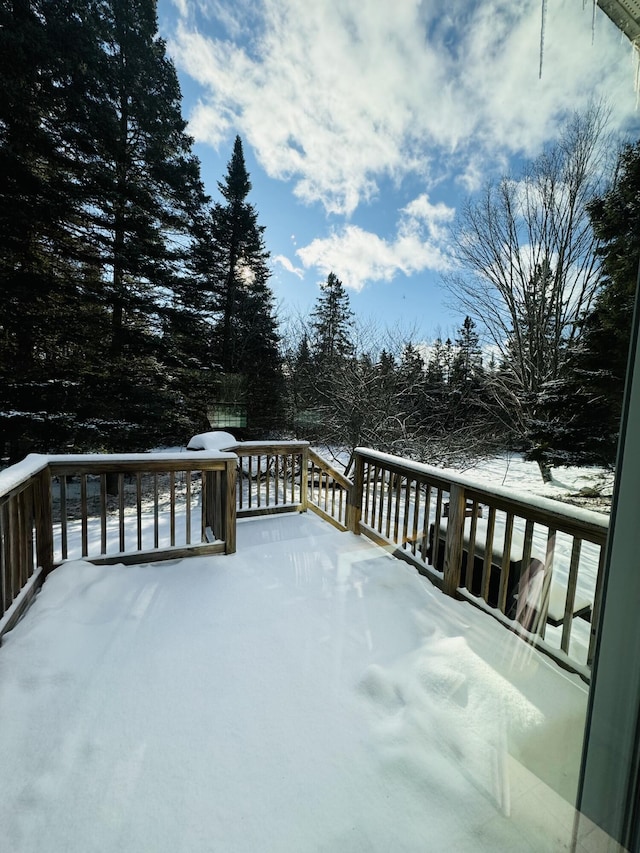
[466,406]
[145,182]
[301,379]
[411,381]
[234,267]
[48,274]
[467,360]
[590,394]
[99,177]
[331,325]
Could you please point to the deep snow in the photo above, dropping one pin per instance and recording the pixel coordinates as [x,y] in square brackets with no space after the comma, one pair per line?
[309,693]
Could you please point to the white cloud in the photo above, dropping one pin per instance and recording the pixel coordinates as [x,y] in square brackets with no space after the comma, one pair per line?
[288,265]
[338,96]
[358,256]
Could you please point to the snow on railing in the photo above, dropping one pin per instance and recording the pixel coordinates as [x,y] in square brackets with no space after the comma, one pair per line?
[25,535]
[533,563]
[109,508]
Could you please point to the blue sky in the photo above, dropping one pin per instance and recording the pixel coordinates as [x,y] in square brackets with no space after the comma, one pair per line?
[366,124]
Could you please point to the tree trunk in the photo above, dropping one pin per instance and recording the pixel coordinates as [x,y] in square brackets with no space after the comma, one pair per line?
[545,471]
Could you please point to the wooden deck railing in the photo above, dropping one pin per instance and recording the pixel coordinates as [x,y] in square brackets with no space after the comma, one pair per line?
[272,477]
[288,476]
[127,508]
[25,536]
[534,563]
[329,492]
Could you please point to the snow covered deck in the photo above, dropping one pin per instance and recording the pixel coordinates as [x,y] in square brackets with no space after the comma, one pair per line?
[307,693]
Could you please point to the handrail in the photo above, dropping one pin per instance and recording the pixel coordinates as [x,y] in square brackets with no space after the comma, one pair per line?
[329,492]
[533,563]
[25,537]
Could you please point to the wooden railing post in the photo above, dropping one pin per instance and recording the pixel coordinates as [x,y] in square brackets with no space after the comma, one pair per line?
[44,521]
[230,506]
[304,480]
[354,513]
[453,545]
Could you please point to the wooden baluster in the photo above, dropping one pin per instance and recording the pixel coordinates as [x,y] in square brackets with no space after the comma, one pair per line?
[416,516]
[187,520]
[436,528]
[597,603]
[172,508]
[83,513]
[381,499]
[229,510]
[44,522]
[268,480]
[405,516]
[572,582]
[396,514]
[64,538]
[121,511]
[471,551]
[5,586]
[304,479]
[488,553]
[546,583]
[426,520]
[156,524]
[258,476]
[506,564]
[103,513]
[139,510]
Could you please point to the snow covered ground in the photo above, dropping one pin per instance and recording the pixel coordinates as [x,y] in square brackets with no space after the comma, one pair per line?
[588,486]
[308,693]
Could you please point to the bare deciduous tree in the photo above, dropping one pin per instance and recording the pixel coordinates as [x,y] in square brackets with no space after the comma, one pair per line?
[528,270]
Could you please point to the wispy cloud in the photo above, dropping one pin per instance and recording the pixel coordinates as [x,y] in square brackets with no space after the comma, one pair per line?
[339,96]
[358,256]
[288,265]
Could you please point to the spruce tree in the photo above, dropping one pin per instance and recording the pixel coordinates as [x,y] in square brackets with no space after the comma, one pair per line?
[331,325]
[98,188]
[140,168]
[233,264]
[48,273]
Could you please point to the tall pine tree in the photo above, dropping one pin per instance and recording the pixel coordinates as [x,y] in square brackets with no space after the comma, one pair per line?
[233,265]
[102,188]
[330,329]
[49,273]
[145,179]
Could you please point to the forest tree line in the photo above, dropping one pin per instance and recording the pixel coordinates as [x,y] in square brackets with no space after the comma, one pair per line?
[135,310]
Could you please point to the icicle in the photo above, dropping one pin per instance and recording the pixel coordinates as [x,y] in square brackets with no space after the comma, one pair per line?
[636,53]
[543,22]
[593,22]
